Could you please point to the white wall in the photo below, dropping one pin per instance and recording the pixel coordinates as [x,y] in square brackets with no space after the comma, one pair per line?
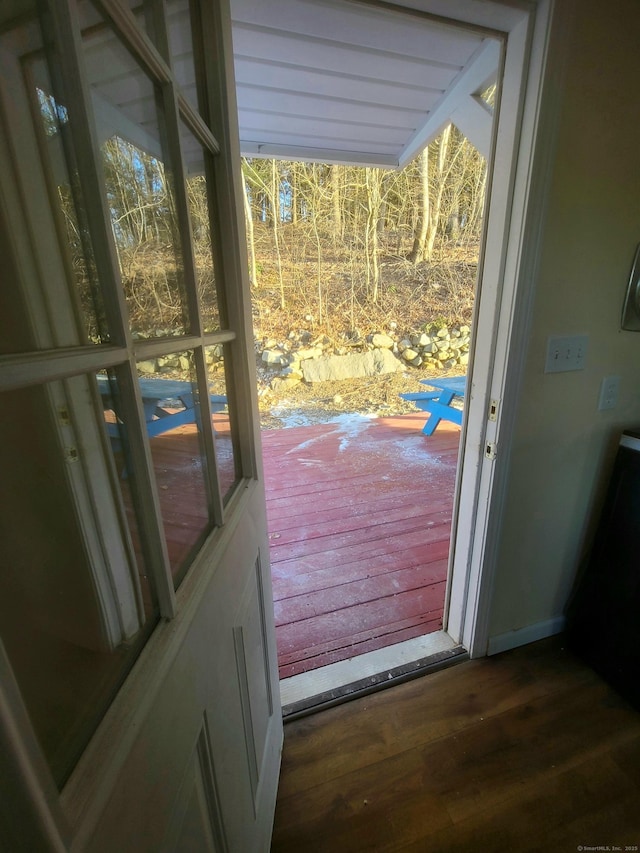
[563,446]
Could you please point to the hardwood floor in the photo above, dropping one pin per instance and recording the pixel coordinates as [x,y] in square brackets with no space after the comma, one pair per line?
[359,517]
[525,751]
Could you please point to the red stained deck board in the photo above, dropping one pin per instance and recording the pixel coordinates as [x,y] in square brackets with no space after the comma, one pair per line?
[291,584]
[370,639]
[380,518]
[345,595]
[391,532]
[308,563]
[368,616]
[358,505]
[359,520]
[359,648]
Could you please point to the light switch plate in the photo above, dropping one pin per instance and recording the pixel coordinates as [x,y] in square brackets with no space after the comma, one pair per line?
[609,393]
[566,352]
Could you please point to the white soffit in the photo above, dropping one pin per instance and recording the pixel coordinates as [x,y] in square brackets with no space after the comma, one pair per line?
[343,82]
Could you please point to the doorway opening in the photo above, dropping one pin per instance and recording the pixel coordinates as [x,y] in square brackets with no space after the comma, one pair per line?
[363,293]
[282,115]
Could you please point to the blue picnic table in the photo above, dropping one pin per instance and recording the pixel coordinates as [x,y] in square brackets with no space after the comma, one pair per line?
[159,396]
[438,402]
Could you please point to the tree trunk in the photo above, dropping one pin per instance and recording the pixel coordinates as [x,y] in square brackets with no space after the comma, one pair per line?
[372,181]
[335,198]
[424,213]
[436,208]
[250,237]
[275,214]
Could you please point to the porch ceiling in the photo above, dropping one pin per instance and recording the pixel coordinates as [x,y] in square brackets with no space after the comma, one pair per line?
[347,82]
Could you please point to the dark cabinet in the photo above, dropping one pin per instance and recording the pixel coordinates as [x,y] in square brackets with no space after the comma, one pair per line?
[603,619]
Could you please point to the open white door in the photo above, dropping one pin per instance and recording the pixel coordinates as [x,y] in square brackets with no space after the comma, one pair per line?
[139,703]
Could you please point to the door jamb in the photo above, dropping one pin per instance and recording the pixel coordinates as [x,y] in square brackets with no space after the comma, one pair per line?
[499,358]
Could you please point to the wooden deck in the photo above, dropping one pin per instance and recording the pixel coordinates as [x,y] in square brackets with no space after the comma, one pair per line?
[359,517]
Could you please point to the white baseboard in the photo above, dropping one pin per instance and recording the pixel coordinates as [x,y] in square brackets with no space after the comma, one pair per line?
[522,636]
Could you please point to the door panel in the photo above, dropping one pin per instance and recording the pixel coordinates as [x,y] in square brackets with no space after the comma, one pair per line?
[180,748]
[209,706]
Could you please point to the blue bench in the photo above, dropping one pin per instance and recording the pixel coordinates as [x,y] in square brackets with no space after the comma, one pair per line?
[158,396]
[438,402]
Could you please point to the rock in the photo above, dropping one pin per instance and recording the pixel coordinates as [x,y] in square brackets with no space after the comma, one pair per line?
[443,332]
[291,371]
[310,352]
[281,384]
[417,361]
[382,341]
[409,354]
[334,367]
[185,363]
[404,343]
[464,359]
[273,357]
[424,340]
[465,329]
[167,362]
[214,353]
[147,366]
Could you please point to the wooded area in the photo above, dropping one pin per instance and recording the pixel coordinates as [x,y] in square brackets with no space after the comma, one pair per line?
[346,248]
[337,250]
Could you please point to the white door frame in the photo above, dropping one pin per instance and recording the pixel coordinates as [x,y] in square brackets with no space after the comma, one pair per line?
[524,139]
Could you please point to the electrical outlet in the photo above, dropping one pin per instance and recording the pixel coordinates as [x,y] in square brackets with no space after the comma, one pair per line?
[609,393]
[568,352]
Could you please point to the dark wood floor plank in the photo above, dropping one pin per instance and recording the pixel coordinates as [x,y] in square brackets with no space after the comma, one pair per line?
[523,752]
[421,711]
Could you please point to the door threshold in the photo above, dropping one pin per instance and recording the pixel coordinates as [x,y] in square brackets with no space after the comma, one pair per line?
[339,682]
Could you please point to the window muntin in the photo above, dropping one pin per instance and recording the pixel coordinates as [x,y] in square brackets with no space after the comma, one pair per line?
[227,456]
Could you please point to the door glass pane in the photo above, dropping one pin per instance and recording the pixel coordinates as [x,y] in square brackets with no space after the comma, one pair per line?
[68,201]
[181,47]
[66,307]
[174,426]
[199,211]
[140,186]
[117,438]
[75,608]
[227,458]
